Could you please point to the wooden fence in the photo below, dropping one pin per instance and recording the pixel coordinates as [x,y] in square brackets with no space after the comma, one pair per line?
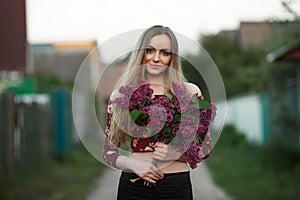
[32,128]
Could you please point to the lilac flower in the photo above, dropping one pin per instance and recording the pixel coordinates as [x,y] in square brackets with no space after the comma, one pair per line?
[213,108]
[202,129]
[122,101]
[179,90]
[155,124]
[169,115]
[188,120]
[188,131]
[157,112]
[193,155]
[127,90]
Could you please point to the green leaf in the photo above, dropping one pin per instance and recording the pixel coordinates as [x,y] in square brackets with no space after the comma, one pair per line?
[134,115]
[144,102]
[169,96]
[169,139]
[144,116]
[176,117]
[194,98]
[203,104]
[168,129]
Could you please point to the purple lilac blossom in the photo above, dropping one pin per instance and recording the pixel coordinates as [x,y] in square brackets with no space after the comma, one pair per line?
[160,112]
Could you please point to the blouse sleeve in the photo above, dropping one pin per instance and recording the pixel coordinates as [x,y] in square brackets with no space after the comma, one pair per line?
[206,146]
[110,150]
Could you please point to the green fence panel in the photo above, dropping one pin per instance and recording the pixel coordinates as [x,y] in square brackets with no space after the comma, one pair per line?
[61,121]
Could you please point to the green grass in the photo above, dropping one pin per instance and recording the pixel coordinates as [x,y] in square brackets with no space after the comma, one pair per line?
[242,170]
[70,179]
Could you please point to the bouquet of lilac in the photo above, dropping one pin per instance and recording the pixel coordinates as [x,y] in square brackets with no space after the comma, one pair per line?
[173,118]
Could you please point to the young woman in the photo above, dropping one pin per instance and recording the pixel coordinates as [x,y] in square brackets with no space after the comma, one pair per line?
[155,60]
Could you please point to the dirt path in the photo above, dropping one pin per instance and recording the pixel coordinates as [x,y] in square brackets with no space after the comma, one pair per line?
[203,186]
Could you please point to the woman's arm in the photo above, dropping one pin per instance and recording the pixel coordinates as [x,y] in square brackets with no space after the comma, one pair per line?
[110,150]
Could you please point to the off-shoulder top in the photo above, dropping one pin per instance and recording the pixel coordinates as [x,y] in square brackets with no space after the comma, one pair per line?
[139,144]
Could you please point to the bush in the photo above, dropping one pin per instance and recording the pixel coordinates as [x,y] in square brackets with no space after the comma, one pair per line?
[282,151]
[232,136]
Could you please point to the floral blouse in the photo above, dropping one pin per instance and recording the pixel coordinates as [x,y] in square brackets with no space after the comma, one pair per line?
[145,144]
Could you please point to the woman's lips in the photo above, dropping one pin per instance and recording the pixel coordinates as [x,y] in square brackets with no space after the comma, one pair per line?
[155,66]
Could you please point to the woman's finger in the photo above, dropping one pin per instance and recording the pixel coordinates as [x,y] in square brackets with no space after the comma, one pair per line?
[160,144]
[158,157]
[160,154]
[149,180]
[157,172]
[153,176]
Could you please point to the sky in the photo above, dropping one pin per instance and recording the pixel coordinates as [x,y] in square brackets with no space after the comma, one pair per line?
[83,20]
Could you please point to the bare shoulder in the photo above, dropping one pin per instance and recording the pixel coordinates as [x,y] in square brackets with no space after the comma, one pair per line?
[192,88]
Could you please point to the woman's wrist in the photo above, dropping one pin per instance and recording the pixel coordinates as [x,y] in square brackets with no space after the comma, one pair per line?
[124,163]
[181,159]
[129,162]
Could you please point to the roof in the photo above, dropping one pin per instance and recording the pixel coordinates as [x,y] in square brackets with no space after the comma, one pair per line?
[288,52]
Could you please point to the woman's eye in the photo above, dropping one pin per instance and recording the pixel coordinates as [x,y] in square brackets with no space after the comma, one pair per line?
[149,50]
[165,53]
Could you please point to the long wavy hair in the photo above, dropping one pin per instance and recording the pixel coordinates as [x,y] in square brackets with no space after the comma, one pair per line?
[135,69]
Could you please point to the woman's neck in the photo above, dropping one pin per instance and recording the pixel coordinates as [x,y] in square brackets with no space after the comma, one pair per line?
[159,79]
[157,83]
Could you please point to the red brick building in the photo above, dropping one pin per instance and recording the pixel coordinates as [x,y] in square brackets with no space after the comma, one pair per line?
[13,35]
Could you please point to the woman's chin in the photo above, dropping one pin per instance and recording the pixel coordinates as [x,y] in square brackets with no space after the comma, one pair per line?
[154,72]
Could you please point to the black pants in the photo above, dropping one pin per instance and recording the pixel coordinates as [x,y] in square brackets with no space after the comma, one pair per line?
[174,186]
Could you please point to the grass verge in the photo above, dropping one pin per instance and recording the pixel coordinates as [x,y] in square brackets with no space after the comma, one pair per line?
[244,173]
[72,178]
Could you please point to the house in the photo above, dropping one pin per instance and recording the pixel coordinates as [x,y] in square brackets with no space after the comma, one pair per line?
[290,53]
[259,116]
[60,59]
[253,34]
[13,35]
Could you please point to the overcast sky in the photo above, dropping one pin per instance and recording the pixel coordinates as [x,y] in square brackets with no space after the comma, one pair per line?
[81,20]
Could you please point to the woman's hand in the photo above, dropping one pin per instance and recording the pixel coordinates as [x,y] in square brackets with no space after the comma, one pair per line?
[146,171]
[164,152]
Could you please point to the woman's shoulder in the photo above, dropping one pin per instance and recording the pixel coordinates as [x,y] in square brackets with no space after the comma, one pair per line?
[192,88]
[115,93]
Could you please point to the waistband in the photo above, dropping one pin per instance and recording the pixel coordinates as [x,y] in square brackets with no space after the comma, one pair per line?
[165,174]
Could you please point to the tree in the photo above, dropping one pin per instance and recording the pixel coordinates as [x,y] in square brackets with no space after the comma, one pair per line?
[240,68]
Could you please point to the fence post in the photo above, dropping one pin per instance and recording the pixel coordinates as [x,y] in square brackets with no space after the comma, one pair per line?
[265,117]
[25,136]
[7,132]
[32,135]
[2,138]
[61,121]
[45,130]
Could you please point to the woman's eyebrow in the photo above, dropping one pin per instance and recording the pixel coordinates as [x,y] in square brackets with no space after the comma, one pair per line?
[164,49]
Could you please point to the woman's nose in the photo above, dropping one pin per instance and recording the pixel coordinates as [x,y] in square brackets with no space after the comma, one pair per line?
[156,56]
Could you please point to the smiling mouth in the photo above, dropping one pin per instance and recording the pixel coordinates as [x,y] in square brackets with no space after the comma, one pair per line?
[155,66]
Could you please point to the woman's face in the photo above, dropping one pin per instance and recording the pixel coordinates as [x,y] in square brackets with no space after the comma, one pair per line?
[158,54]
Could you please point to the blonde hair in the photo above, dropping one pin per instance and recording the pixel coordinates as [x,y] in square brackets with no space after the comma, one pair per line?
[135,69]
